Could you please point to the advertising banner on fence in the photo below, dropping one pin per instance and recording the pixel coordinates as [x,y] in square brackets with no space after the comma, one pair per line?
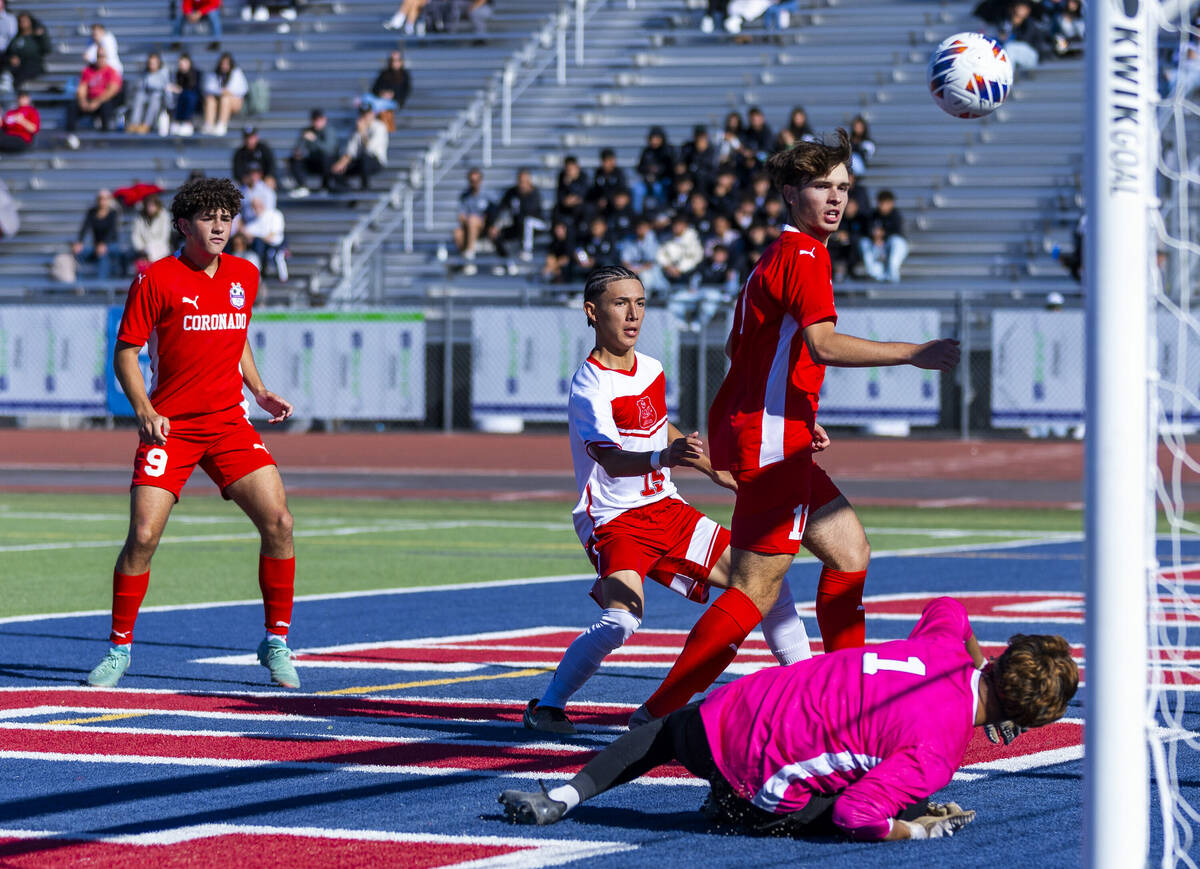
[860,396]
[344,365]
[1038,368]
[52,359]
[523,359]
[335,365]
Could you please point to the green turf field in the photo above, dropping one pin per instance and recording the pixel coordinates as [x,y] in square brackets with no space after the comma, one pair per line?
[57,551]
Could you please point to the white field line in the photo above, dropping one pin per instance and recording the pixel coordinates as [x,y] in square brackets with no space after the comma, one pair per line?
[540,852]
[79,711]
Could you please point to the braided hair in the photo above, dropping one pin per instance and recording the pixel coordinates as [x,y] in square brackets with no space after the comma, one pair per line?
[599,279]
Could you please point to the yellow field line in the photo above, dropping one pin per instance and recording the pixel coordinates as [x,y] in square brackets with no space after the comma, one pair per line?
[116,716]
[427,683]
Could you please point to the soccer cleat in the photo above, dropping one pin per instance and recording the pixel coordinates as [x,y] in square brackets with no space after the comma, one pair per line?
[640,716]
[548,719]
[277,657]
[109,671]
[526,807]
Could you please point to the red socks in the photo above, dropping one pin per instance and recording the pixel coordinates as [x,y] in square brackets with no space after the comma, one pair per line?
[840,613]
[128,594]
[277,579]
[710,648]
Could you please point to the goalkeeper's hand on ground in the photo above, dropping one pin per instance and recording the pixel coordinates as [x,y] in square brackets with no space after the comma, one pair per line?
[945,820]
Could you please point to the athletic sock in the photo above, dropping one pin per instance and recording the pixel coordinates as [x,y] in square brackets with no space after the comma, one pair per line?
[711,646]
[564,794]
[277,579]
[583,657]
[784,631]
[128,593]
[840,613]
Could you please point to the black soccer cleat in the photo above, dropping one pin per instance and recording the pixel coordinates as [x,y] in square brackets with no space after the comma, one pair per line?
[536,807]
[548,719]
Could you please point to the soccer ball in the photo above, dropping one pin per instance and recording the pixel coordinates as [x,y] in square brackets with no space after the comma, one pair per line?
[969,75]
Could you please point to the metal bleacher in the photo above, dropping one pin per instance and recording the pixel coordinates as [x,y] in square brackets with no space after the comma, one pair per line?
[983,200]
[329,55]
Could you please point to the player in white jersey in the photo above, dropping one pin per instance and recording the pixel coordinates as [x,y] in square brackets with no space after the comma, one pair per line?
[629,517]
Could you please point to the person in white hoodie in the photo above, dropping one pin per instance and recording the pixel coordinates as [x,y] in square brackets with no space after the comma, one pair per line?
[265,231]
[366,152]
[102,38]
[150,237]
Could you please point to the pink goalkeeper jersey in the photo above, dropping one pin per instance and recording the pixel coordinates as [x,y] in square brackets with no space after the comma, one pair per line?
[885,726]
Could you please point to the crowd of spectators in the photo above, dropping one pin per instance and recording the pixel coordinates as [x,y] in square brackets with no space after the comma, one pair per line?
[1034,31]
[416,17]
[690,221]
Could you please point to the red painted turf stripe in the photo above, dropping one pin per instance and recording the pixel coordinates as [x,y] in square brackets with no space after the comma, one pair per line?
[511,758]
[1058,735]
[245,850]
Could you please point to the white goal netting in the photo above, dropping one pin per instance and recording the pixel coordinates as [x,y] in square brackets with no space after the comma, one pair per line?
[1175,597]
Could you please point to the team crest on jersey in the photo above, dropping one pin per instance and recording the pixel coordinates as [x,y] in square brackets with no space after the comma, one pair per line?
[646,415]
[237,296]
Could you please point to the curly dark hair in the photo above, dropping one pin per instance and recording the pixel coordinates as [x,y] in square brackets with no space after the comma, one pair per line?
[1034,678]
[804,161]
[199,195]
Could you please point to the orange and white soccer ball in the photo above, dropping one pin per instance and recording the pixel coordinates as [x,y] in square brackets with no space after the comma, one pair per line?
[969,75]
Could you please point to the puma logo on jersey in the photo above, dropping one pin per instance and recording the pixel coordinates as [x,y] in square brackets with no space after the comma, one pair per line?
[812,253]
[261,447]
[195,303]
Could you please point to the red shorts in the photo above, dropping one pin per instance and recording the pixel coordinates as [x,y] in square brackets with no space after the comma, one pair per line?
[773,504]
[227,449]
[668,541]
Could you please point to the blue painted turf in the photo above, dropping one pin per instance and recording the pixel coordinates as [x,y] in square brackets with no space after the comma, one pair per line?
[1025,818]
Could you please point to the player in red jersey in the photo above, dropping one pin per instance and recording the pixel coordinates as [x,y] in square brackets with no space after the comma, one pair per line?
[762,428]
[193,309]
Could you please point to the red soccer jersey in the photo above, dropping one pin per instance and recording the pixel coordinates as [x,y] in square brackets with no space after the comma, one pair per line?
[766,408]
[196,328]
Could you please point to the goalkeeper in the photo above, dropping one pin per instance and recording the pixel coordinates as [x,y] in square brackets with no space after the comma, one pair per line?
[858,738]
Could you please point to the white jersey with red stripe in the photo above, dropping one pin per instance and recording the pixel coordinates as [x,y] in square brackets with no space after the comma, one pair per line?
[613,409]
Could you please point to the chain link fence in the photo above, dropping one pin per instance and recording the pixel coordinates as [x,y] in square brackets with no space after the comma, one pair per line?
[455,364]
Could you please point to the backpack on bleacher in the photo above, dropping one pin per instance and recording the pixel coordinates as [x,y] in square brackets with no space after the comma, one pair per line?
[258,97]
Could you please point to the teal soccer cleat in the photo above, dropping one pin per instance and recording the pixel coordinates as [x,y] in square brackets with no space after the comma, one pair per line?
[109,671]
[274,654]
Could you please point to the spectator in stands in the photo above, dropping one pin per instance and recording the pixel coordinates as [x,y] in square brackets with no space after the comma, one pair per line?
[655,166]
[859,193]
[712,286]
[390,91]
[517,215]
[192,12]
[446,16]
[798,129]
[225,90]
[8,24]
[680,254]
[239,246]
[597,249]
[682,189]
[265,230]
[571,194]
[184,92]
[25,57]
[845,245]
[731,139]
[254,186]
[97,95]
[757,135]
[255,150]
[742,12]
[698,215]
[885,248]
[1069,28]
[609,177]
[366,152]
[716,11]
[700,157]
[1026,39]
[150,238]
[254,10]
[314,154]
[862,148]
[744,214]
[620,216]
[19,125]
[149,96]
[724,198]
[104,40]
[102,224]
[408,18]
[757,240]
[473,209]
[559,267]
[639,254]
[724,233]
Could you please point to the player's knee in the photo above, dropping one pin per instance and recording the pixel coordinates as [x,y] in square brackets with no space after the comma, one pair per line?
[143,538]
[278,526]
[618,626]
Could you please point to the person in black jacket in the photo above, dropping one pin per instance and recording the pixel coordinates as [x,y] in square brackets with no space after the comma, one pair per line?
[609,177]
[655,167]
[571,198]
[390,91]
[103,223]
[24,59]
[700,157]
[254,150]
[517,215]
